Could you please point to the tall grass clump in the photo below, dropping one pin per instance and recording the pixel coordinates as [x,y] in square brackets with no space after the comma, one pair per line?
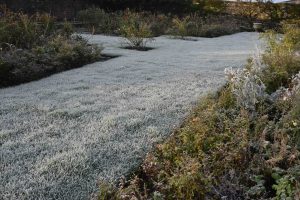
[241,143]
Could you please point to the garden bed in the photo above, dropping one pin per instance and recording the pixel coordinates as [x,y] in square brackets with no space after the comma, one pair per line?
[21,66]
[33,47]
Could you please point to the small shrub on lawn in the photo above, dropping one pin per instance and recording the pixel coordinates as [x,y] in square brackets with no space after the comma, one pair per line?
[136,32]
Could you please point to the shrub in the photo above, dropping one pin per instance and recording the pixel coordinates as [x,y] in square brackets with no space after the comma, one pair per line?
[247,86]
[58,54]
[136,32]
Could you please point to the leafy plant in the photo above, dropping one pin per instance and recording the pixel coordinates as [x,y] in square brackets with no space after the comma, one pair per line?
[284,187]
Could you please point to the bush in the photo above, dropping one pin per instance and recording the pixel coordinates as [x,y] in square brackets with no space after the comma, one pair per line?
[136,32]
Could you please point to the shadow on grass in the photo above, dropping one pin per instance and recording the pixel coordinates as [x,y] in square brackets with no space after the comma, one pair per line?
[138,48]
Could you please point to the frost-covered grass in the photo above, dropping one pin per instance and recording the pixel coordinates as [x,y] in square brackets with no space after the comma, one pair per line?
[60,135]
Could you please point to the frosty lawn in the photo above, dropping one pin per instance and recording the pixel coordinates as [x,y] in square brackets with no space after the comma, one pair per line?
[60,135]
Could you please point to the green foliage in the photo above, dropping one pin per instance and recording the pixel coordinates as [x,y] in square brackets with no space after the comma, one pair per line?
[99,21]
[284,187]
[258,189]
